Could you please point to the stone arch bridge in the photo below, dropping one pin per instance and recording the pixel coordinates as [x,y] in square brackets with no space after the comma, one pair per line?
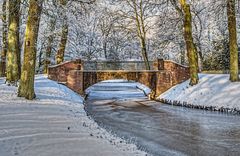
[78,77]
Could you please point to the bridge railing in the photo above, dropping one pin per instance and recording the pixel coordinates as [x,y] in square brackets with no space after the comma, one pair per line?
[115,65]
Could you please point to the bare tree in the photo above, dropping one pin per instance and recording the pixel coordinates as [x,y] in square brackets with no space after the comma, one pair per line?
[139,18]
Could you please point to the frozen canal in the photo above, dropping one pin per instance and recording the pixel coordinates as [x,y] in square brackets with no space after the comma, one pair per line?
[161,129]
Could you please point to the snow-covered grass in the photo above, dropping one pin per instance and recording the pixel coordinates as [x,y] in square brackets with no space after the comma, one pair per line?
[55,124]
[213,90]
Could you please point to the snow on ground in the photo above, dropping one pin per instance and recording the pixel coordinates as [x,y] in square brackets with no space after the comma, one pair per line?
[144,88]
[55,124]
[213,90]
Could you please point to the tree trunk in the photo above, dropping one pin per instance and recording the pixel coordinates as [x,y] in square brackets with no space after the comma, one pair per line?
[62,45]
[191,50]
[105,49]
[26,87]
[182,48]
[13,54]
[4,40]
[144,54]
[40,59]
[200,60]
[232,40]
[64,36]
[49,46]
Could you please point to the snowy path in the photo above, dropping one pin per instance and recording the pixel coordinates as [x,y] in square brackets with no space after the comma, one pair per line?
[55,124]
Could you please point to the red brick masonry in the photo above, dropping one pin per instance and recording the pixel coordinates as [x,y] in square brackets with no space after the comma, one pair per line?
[165,75]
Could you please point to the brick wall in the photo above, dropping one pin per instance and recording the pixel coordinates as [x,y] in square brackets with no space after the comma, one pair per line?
[75,81]
[171,74]
[179,73]
[60,72]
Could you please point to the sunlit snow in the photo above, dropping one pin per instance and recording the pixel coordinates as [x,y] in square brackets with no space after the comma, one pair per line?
[54,124]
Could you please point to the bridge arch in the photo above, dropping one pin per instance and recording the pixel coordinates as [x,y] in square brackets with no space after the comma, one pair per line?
[164,75]
[116,84]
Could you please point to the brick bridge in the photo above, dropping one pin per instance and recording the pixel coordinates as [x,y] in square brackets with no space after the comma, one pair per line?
[165,74]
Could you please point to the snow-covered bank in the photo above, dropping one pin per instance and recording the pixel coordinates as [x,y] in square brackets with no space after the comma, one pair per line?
[53,124]
[214,92]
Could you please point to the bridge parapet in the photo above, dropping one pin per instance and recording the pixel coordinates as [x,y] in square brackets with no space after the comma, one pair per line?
[60,72]
[165,74]
[116,65]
